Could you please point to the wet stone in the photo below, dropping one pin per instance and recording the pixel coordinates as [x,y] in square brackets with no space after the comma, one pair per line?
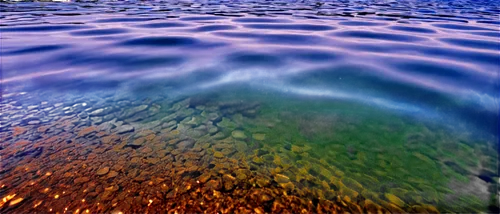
[289,186]
[394,199]
[257,160]
[213,185]
[125,129]
[176,152]
[394,208]
[237,134]
[296,149]
[175,132]
[258,136]
[112,174]
[15,201]
[185,144]
[150,137]
[81,180]
[218,154]
[241,174]
[281,178]
[102,171]
[135,160]
[153,160]
[204,177]
[146,150]
[348,192]
[262,182]
[229,182]
[86,131]
[352,183]
[138,142]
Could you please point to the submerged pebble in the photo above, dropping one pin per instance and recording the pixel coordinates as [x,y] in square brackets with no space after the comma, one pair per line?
[281,178]
[102,171]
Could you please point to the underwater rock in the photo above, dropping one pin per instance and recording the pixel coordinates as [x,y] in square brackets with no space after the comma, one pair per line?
[394,199]
[259,136]
[351,183]
[237,134]
[241,174]
[18,130]
[102,171]
[146,150]
[276,159]
[175,132]
[297,149]
[354,207]
[112,174]
[288,186]
[87,131]
[424,158]
[15,201]
[152,160]
[138,142]
[371,207]
[330,194]
[81,180]
[393,208]
[258,210]
[125,129]
[218,154]
[226,123]
[262,182]
[213,184]
[281,178]
[431,193]
[229,182]
[346,191]
[430,208]
[150,137]
[43,128]
[418,209]
[257,160]
[204,177]
[135,160]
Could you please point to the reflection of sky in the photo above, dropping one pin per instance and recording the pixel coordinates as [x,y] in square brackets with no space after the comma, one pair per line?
[204,53]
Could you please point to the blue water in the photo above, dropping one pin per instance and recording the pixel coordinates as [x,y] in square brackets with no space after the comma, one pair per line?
[432,61]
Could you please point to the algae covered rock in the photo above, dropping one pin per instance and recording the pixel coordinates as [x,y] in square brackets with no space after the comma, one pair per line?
[259,136]
[237,134]
[281,178]
[394,199]
[218,154]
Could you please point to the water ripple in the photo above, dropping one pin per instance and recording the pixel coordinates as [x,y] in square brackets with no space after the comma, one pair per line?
[46,28]
[379,36]
[430,56]
[412,29]
[34,50]
[473,43]
[99,32]
[161,41]
[304,27]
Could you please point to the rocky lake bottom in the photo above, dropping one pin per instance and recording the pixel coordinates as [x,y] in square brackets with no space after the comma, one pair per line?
[112,154]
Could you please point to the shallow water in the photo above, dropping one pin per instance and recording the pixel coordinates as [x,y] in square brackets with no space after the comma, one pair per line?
[250,106]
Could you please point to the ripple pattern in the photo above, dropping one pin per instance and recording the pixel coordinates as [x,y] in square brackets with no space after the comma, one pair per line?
[378,50]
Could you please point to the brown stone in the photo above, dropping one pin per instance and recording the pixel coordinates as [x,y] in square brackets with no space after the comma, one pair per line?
[102,171]
[86,131]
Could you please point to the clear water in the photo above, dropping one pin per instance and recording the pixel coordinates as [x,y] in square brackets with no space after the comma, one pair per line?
[249,106]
